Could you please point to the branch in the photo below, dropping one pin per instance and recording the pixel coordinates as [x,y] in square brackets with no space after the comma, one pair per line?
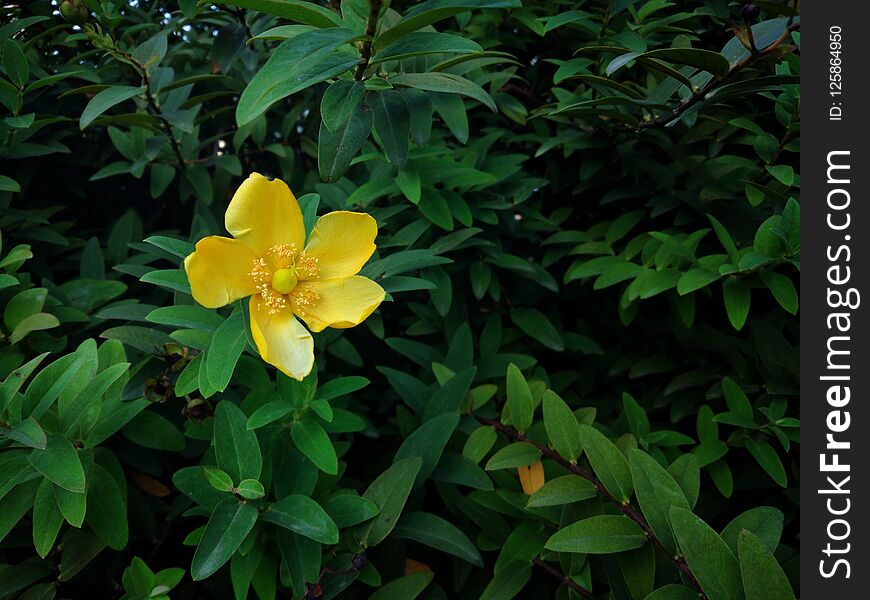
[371,29]
[715,83]
[563,578]
[155,108]
[627,509]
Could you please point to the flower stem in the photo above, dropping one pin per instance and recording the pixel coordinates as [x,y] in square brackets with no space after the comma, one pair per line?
[371,29]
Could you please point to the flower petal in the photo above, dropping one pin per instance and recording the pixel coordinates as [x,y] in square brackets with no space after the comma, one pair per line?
[219,271]
[282,340]
[342,242]
[265,213]
[342,302]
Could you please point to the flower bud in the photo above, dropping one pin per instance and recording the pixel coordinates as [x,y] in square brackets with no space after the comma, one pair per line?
[74,11]
[749,12]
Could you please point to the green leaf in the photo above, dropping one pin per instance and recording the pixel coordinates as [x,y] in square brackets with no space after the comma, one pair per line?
[562,490]
[150,429]
[105,100]
[673,591]
[193,483]
[508,582]
[782,289]
[218,479]
[236,448]
[340,386]
[428,442]
[302,556]
[336,149]
[769,460]
[433,11]
[603,534]
[421,43]
[7,184]
[389,491]
[407,587]
[706,60]
[687,473]
[736,398]
[292,10]
[179,248]
[296,64]
[520,405]
[47,519]
[189,317]
[447,83]
[392,121]
[304,516]
[737,297]
[519,454]
[22,305]
[229,342]
[763,578]
[171,279]
[268,413]
[339,101]
[314,443]
[656,493]
[562,427]
[708,556]
[227,528]
[60,463]
[250,489]
[27,432]
[15,505]
[107,501]
[695,279]
[725,239]
[765,522]
[15,63]
[72,505]
[479,443]
[350,509]
[431,530]
[607,461]
[535,325]
[524,543]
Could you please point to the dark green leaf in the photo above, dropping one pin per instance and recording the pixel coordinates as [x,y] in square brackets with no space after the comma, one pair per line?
[604,534]
[227,528]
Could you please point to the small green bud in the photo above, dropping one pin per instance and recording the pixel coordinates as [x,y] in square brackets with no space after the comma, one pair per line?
[74,11]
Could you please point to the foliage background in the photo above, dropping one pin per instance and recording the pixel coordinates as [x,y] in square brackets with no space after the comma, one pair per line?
[585,246]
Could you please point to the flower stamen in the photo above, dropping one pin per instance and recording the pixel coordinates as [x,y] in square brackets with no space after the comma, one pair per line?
[276,278]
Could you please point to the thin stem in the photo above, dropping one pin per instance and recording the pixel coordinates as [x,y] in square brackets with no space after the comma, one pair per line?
[563,578]
[155,108]
[715,83]
[627,509]
[371,29]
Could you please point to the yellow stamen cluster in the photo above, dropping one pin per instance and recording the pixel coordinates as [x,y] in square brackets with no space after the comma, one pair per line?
[279,295]
[302,299]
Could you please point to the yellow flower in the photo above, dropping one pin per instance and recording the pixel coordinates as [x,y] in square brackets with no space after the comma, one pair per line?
[531,477]
[286,278]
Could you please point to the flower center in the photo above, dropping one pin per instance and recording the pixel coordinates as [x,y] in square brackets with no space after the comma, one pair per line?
[284,280]
[277,276]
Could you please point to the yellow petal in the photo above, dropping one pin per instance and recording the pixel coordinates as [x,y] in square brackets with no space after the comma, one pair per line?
[282,340]
[265,213]
[531,477]
[340,302]
[342,242]
[219,271]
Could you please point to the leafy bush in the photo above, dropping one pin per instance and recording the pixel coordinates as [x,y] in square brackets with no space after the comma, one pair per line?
[583,380]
